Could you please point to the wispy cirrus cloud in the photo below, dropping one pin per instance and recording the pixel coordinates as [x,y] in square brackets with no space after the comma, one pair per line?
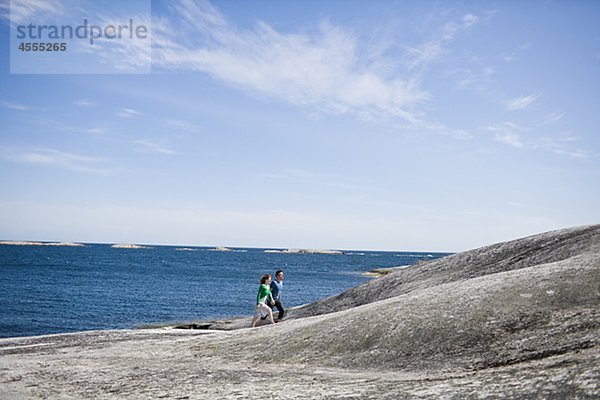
[431,50]
[179,124]
[56,158]
[511,134]
[128,55]
[507,133]
[563,146]
[553,118]
[522,102]
[14,106]
[96,131]
[325,68]
[442,129]
[420,56]
[84,103]
[129,112]
[151,146]
[22,11]
[451,29]
[478,79]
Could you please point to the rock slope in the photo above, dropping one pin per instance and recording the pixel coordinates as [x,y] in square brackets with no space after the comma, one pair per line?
[521,253]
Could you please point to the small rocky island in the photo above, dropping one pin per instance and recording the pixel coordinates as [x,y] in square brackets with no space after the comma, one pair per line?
[221,248]
[129,246]
[304,251]
[519,319]
[29,243]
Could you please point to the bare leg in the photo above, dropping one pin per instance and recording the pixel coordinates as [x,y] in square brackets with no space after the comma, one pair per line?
[271,316]
[254,320]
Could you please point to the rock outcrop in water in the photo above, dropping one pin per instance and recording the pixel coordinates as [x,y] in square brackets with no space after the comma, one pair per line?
[27,243]
[221,248]
[519,319]
[129,246]
[305,251]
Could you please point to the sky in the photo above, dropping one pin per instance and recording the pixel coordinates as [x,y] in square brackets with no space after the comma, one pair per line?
[388,125]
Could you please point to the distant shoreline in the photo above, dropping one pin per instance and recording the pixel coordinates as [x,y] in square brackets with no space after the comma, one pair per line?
[265,249]
[28,243]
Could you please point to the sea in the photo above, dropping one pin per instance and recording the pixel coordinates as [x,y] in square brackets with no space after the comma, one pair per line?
[58,289]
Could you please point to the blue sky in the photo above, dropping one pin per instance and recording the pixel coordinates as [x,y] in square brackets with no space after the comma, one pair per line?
[398,125]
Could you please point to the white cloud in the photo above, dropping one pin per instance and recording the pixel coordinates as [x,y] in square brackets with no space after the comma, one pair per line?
[576,154]
[129,112]
[128,54]
[511,134]
[553,118]
[325,69]
[451,29]
[507,133]
[526,46]
[469,20]
[149,146]
[22,11]
[96,131]
[477,79]
[84,103]
[521,102]
[14,106]
[56,158]
[442,129]
[563,146]
[180,125]
[433,49]
[509,138]
[424,54]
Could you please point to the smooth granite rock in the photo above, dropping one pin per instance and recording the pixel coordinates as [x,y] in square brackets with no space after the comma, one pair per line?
[516,320]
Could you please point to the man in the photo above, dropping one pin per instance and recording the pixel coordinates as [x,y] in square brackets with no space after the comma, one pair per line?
[276,291]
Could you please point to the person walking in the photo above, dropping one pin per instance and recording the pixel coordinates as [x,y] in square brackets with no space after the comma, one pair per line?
[264,294]
[277,293]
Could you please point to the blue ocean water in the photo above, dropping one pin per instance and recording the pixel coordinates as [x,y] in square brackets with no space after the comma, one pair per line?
[48,289]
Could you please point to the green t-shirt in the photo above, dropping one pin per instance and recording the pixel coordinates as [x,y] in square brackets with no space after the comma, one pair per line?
[263,291]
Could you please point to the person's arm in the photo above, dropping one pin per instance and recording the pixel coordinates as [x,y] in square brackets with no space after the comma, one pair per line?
[281,293]
[258,295]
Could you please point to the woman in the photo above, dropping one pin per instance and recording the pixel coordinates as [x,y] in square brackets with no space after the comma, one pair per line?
[264,294]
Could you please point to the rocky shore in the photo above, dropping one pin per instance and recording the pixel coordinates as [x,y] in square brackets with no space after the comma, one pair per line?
[519,319]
